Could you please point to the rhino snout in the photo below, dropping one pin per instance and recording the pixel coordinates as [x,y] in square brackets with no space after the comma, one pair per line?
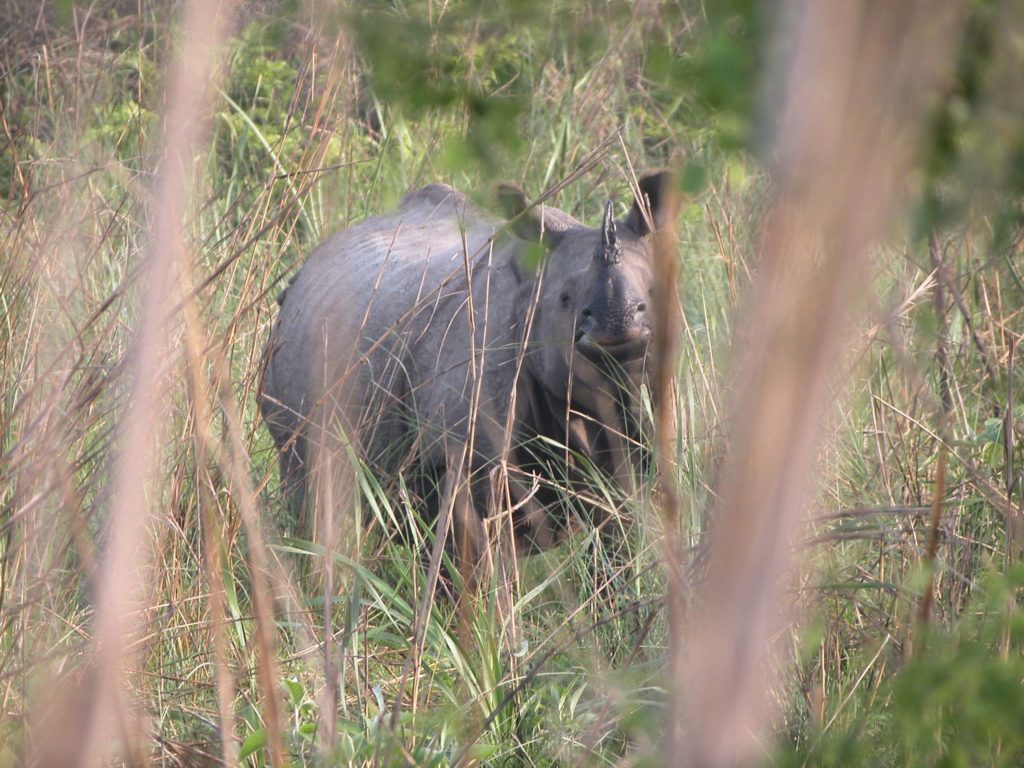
[621,331]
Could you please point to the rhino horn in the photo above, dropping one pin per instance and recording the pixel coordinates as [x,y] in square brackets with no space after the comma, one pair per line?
[608,250]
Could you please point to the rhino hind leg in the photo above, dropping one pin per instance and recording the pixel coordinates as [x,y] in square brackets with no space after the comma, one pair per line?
[291,456]
[441,490]
[292,465]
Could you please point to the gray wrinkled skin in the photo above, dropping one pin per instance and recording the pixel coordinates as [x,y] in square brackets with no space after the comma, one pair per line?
[401,339]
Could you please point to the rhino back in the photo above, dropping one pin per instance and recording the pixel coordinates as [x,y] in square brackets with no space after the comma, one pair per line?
[376,326]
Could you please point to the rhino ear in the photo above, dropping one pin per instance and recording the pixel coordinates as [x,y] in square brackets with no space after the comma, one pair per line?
[533,222]
[647,216]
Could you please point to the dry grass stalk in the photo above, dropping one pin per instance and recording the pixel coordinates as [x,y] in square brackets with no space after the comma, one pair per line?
[121,581]
[212,541]
[915,643]
[858,82]
[667,325]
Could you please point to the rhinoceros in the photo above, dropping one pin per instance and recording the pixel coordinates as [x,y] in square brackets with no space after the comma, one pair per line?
[439,337]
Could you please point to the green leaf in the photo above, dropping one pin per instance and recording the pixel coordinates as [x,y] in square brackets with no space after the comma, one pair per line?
[533,256]
[992,431]
[296,693]
[347,726]
[253,742]
[481,751]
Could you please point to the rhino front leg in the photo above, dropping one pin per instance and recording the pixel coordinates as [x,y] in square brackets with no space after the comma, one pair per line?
[613,559]
[292,465]
[459,531]
[469,534]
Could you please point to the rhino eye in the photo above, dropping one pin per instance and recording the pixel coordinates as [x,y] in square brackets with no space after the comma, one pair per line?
[565,298]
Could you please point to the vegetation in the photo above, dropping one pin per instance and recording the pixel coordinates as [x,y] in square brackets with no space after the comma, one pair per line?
[904,644]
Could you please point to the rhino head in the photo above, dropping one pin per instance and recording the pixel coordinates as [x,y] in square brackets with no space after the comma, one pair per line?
[589,303]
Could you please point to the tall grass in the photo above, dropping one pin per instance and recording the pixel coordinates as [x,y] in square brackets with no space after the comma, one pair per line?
[228,654]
